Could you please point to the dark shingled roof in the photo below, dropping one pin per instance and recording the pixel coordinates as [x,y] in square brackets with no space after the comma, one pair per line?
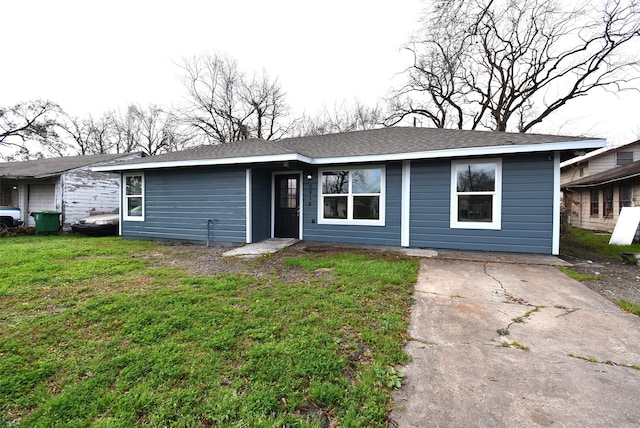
[408,140]
[609,176]
[52,166]
[375,142]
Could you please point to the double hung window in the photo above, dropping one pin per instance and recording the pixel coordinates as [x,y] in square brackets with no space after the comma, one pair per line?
[133,197]
[607,197]
[352,196]
[476,194]
[626,196]
[594,203]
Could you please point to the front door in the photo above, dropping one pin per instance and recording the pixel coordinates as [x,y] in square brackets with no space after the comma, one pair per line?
[287,206]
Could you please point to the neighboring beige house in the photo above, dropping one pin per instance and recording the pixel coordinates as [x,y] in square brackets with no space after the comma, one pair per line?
[596,186]
[598,161]
[64,184]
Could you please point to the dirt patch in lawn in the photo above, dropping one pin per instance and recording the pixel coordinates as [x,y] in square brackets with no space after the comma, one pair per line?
[616,279]
[208,261]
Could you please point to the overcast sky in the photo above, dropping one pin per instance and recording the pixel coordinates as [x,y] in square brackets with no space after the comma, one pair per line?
[94,56]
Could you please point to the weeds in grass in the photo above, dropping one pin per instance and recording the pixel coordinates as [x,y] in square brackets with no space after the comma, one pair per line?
[629,306]
[577,275]
[391,377]
[92,334]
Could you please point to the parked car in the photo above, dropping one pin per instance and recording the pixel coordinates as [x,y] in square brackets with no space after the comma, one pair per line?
[98,225]
[9,217]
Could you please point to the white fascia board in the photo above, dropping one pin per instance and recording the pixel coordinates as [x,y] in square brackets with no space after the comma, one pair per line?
[205,162]
[466,152]
[431,154]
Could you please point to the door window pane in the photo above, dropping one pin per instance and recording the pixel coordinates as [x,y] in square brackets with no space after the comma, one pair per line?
[288,193]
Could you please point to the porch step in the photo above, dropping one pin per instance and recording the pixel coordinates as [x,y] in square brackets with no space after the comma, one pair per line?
[257,249]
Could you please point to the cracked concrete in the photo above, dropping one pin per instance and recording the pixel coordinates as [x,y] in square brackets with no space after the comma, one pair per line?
[576,371]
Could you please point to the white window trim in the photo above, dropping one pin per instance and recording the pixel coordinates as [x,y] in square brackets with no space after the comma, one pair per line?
[496,215]
[126,217]
[350,220]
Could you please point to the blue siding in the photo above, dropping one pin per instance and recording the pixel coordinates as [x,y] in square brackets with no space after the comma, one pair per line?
[389,234]
[261,204]
[527,208]
[178,203]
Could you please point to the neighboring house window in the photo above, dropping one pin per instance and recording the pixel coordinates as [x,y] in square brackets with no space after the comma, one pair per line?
[624,158]
[476,194]
[626,196]
[133,197]
[595,203]
[352,196]
[607,196]
[581,172]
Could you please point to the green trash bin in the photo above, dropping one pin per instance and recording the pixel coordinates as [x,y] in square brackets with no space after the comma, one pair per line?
[46,221]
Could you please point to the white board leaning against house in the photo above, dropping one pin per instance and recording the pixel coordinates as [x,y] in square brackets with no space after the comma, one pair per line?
[626,226]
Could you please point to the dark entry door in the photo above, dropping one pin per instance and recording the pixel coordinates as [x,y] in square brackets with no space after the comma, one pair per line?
[287,209]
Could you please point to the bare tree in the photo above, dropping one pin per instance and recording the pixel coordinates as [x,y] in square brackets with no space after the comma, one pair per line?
[343,118]
[125,130]
[509,64]
[224,105]
[31,122]
[102,134]
[158,130]
[152,130]
[268,107]
[80,132]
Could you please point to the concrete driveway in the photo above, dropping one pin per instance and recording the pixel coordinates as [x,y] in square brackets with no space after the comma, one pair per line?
[516,344]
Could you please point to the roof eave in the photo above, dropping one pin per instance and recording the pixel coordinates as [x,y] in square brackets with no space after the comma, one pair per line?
[430,154]
[589,156]
[467,152]
[203,162]
[601,183]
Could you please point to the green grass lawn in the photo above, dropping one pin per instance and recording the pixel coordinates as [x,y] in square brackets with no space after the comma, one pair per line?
[586,245]
[94,334]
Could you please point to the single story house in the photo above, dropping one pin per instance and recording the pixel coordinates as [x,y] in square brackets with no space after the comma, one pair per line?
[64,184]
[595,201]
[399,186]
